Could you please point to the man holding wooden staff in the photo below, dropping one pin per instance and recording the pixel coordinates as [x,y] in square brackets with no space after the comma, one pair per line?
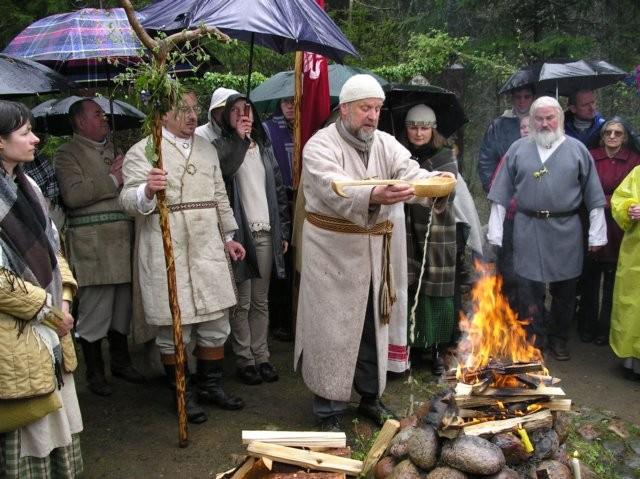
[346,289]
[202,225]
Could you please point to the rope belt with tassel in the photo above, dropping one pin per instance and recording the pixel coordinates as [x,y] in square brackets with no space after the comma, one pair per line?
[384,229]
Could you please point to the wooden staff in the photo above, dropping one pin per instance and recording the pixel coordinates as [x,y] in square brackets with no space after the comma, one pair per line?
[160,51]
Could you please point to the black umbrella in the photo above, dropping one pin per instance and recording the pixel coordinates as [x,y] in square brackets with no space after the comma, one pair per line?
[19,77]
[52,116]
[565,78]
[401,98]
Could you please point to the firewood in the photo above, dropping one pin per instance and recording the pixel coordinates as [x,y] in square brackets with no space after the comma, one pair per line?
[531,422]
[297,438]
[305,475]
[259,470]
[539,391]
[307,459]
[388,431]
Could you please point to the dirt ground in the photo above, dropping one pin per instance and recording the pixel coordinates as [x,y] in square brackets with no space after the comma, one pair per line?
[133,433]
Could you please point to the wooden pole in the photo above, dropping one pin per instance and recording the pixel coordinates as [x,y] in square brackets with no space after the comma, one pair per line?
[297,126]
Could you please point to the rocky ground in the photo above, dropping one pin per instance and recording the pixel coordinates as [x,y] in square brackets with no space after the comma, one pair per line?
[133,434]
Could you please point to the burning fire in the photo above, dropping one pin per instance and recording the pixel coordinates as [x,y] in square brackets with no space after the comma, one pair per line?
[494,331]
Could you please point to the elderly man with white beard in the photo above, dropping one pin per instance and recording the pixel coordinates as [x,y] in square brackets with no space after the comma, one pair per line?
[550,175]
[346,286]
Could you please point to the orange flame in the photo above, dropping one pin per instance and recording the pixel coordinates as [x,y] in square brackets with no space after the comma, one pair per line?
[494,330]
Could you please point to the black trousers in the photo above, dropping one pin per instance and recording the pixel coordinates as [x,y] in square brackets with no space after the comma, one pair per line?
[595,316]
[555,324]
[365,380]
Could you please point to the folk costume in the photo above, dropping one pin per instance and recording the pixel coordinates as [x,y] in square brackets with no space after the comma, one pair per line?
[99,237]
[549,185]
[200,218]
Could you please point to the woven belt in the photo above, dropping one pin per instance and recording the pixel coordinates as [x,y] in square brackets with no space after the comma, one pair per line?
[92,219]
[384,229]
[545,214]
[194,205]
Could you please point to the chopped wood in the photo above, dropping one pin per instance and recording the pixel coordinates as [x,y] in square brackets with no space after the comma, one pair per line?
[558,405]
[336,451]
[297,438]
[307,459]
[530,422]
[305,475]
[541,390]
[530,381]
[387,433]
[498,368]
[259,469]
[472,402]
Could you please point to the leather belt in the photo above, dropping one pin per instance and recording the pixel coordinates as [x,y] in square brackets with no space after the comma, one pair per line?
[546,214]
[92,219]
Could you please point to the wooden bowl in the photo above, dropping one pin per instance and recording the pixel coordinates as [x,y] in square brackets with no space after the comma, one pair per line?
[434,186]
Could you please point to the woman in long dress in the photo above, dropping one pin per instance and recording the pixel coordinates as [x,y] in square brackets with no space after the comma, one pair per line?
[39,413]
[435,314]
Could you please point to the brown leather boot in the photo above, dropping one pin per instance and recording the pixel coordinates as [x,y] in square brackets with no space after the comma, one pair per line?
[195,414]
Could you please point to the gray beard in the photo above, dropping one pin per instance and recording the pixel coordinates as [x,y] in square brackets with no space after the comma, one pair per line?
[360,134]
[546,138]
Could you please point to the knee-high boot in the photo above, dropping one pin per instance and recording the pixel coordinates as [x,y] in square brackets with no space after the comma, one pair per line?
[195,414]
[120,360]
[209,379]
[96,380]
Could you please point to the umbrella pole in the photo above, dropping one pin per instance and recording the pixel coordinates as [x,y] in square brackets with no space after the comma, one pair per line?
[113,120]
[250,67]
[297,122]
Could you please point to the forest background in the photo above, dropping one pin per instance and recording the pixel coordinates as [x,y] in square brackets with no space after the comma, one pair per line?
[471,46]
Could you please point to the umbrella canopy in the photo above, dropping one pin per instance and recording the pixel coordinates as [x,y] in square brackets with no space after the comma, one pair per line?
[281,25]
[52,116]
[19,77]
[565,78]
[281,85]
[400,98]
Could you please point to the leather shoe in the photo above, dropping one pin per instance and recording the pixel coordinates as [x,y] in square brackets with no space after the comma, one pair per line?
[98,385]
[560,351]
[586,336]
[129,374]
[375,410]
[249,375]
[267,372]
[331,423]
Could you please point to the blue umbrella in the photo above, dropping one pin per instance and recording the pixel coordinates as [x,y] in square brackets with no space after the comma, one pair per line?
[281,25]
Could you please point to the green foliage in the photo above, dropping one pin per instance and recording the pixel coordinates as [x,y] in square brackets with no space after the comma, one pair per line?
[362,439]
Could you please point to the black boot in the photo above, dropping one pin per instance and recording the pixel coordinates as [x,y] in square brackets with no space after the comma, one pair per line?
[437,363]
[209,381]
[96,382]
[195,414]
[120,360]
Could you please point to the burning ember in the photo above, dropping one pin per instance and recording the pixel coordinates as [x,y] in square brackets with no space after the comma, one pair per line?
[495,336]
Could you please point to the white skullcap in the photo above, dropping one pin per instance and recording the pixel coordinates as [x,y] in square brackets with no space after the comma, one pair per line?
[421,115]
[219,97]
[359,87]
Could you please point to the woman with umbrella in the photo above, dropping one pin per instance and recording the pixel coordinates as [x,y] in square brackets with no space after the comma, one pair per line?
[614,159]
[39,414]
[434,323]
[260,206]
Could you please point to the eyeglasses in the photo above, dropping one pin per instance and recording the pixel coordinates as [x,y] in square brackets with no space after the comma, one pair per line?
[187,109]
[616,133]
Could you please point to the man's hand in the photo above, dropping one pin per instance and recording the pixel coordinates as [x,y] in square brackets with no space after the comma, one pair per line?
[235,250]
[285,247]
[391,194]
[156,181]
[634,212]
[446,174]
[116,169]
[243,126]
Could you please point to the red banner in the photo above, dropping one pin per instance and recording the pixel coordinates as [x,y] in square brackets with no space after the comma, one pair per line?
[316,105]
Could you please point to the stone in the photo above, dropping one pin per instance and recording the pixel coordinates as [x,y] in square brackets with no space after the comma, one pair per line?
[555,469]
[405,470]
[445,472]
[615,447]
[474,455]
[385,466]
[511,447]
[399,447]
[506,473]
[624,472]
[588,432]
[632,461]
[545,443]
[635,445]
[561,425]
[422,447]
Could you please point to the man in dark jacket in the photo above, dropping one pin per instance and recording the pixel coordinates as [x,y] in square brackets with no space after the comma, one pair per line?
[583,122]
[502,131]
